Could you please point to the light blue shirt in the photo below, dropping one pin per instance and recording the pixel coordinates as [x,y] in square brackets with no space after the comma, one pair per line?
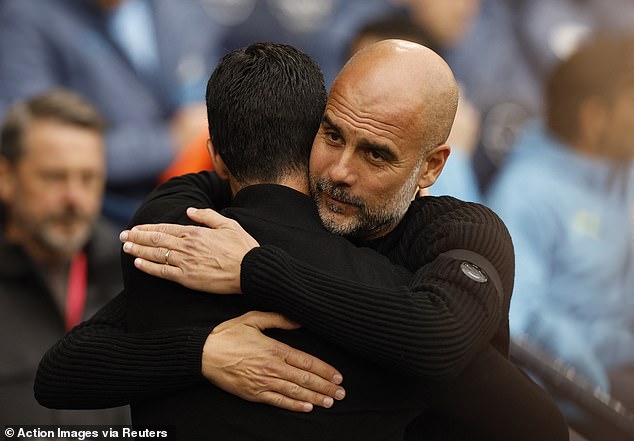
[131,26]
[571,220]
[457,179]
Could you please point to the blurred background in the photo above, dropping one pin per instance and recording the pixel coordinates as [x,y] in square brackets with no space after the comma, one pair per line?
[144,65]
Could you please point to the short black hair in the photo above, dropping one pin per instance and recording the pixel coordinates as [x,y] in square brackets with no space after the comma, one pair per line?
[264,106]
[601,67]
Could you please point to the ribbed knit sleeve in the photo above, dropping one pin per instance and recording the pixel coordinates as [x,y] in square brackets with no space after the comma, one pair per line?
[435,225]
[98,364]
[433,326]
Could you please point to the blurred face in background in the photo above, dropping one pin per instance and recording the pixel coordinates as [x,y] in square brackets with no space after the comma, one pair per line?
[446,21]
[618,137]
[53,193]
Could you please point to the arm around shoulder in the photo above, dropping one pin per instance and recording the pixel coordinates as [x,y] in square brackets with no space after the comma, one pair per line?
[98,364]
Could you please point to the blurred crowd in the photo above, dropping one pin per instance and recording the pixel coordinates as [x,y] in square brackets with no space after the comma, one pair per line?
[544,135]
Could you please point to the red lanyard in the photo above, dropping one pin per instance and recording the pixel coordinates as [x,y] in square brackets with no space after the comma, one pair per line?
[76,293]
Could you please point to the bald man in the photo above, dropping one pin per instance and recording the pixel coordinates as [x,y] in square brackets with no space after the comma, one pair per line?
[372,154]
[369,158]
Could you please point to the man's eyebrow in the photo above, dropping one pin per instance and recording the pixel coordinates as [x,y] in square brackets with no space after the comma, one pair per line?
[384,149]
[364,143]
[327,121]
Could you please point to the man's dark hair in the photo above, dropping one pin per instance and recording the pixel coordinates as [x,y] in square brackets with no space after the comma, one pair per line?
[58,105]
[601,67]
[264,106]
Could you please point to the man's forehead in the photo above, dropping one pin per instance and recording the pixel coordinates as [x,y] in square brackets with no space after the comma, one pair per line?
[370,134]
[380,113]
[347,117]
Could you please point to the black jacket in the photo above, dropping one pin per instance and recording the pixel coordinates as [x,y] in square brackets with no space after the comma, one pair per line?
[32,322]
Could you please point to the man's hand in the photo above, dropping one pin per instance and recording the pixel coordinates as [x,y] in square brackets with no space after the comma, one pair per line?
[200,258]
[241,360]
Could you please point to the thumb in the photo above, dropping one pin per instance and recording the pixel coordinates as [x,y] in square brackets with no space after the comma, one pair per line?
[267,320]
[206,216]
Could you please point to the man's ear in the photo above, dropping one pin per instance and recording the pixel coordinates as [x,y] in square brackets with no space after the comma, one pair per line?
[7,180]
[433,164]
[219,165]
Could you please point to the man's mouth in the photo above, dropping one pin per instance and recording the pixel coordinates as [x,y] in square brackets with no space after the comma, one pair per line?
[339,201]
[336,199]
[337,205]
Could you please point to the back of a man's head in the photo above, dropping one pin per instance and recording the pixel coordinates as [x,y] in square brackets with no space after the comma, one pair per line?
[264,106]
[600,69]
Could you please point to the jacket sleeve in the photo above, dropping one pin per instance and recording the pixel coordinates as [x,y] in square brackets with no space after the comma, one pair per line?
[428,327]
[431,327]
[441,326]
[99,363]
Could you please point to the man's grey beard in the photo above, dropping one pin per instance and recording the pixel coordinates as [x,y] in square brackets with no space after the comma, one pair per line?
[63,245]
[368,221]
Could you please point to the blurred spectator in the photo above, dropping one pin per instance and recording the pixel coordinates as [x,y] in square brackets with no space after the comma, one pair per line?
[567,197]
[550,30]
[321,28]
[143,63]
[540,33]
[478,40]
[60,262]
[458,178]
[445,23]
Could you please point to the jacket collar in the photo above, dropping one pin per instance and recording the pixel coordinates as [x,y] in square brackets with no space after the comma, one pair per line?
[279,204]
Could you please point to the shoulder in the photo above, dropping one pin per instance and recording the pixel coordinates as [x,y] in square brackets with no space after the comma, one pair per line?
[434,225]
[435,217]
[168,202]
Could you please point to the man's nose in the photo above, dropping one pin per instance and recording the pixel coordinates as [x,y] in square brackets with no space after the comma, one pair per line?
[343,169]
[75,191]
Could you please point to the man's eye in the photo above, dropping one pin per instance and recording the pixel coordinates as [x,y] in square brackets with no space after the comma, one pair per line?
[52,177]
[333,136]
[376,156]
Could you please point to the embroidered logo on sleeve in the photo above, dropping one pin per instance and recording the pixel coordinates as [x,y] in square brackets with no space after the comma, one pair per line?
[473,272]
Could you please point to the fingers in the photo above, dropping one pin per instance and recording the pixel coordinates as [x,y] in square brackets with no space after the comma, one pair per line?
[284,386]
[210,217]
[267,320]
[284,402]
[321,374]
[217,221]
[160,270]
[155,238]
[168,229]
[160,255]
[291,396]
[302,385]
